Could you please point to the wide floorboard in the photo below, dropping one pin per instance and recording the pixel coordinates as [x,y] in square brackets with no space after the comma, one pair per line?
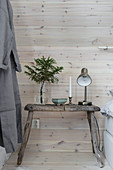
[55,161]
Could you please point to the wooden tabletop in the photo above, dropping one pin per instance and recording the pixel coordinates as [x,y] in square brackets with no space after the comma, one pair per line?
[66,107]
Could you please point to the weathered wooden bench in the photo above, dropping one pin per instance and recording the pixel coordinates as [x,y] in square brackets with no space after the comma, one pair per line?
[94,130]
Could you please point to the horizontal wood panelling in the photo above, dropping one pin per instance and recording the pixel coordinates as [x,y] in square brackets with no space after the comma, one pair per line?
[66,1]
[73,21]
[56,161]
[59,146]
[29,90]
[55,166]
[90,65]
[52,36]
[61,134]
[82,54]
[60,140]
[66,123]
[70,31]
[78,97]
[96,100]
[63,9]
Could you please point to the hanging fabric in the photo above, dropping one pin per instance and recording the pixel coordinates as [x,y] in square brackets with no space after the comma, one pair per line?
[10,104]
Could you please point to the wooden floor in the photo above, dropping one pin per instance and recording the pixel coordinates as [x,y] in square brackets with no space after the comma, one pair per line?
[55,161]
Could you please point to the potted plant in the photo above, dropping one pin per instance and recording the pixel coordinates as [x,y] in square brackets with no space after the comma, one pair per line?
[43,70]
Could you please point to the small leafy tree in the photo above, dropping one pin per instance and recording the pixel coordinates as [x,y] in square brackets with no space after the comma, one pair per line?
[44,70]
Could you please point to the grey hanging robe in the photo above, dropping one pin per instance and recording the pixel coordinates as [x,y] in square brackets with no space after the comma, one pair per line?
[10,104]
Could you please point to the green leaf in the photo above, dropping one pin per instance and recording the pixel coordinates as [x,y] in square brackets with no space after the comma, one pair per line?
[44,69]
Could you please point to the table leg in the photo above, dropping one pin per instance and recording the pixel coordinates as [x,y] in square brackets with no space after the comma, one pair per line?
[27,129]
[89,120]
[95,134]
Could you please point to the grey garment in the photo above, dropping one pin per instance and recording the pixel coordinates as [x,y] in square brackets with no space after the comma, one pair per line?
[10,104]
[10,108]
[1,138]
[7,36]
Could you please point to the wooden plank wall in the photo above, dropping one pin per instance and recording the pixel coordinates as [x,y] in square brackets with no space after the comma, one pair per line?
[70,31]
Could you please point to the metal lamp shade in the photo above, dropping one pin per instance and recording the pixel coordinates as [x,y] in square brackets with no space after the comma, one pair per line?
[84,79]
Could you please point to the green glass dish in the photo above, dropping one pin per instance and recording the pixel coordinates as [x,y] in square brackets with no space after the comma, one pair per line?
[59,100]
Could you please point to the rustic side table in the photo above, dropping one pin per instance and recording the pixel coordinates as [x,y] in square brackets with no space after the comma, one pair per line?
[95,136]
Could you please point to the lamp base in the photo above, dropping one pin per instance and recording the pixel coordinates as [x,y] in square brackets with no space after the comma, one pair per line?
[70,100]
[85,103]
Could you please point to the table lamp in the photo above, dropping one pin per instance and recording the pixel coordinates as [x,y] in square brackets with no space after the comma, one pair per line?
[84,80]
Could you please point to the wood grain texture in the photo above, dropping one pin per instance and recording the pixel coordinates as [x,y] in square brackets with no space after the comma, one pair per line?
[64,123]
[56,161]
[70,31]
[25,137]
[53,107]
